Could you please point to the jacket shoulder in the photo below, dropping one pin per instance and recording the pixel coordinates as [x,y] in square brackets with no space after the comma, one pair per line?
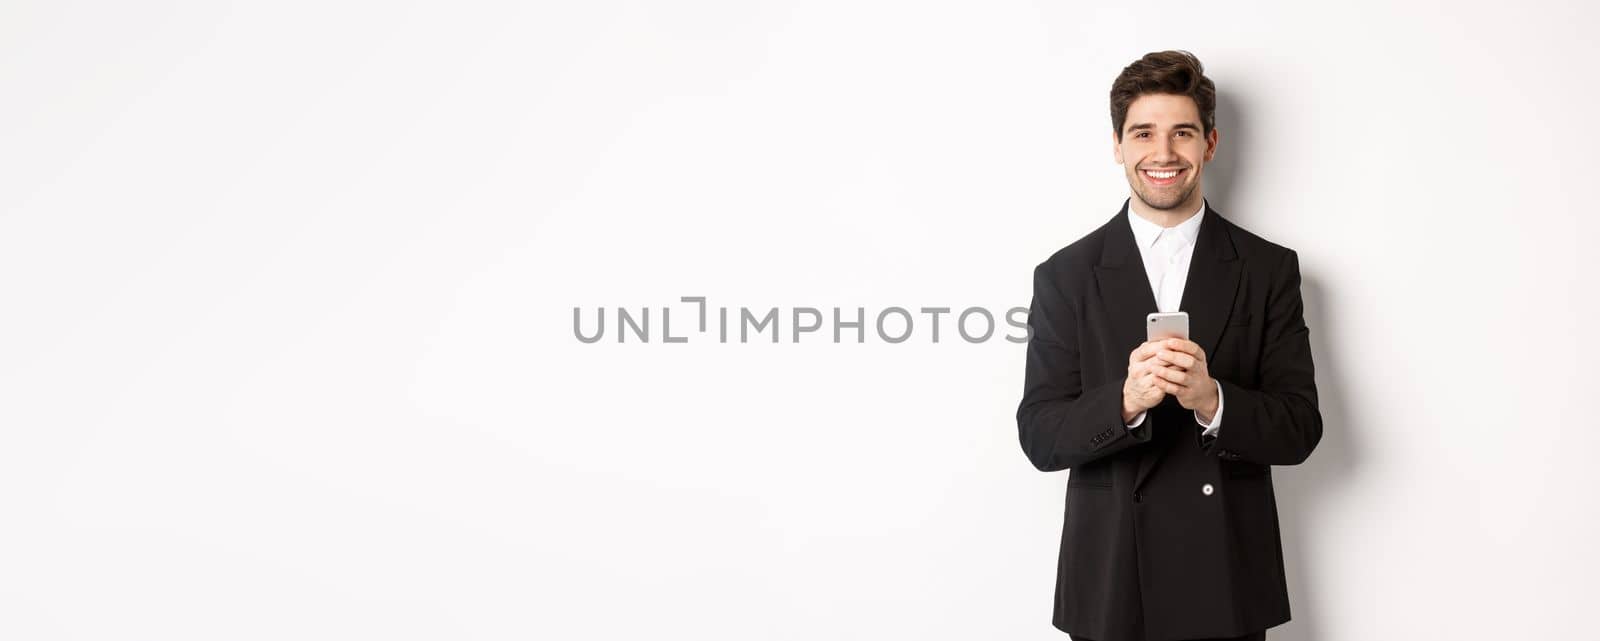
[1074,260]
[1252,247]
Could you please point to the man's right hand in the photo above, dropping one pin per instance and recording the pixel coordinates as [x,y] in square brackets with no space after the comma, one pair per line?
[1139,390]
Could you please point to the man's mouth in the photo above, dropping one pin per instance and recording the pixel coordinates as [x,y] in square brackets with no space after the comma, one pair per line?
[1162,177]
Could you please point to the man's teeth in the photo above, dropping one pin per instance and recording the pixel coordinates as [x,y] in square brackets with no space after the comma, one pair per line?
[1162,175]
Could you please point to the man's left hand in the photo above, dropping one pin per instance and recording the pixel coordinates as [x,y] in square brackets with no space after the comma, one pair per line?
[1186,376]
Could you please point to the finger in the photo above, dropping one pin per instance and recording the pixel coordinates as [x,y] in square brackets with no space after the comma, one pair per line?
[1145,350]
[1154,366]
[1186,346]
[1180,344]
[1177,389]
[1174,376]
[1154,383]
[1179,359]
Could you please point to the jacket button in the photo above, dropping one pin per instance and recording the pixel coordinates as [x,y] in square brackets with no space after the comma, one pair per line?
[1137,497]
[1207,489]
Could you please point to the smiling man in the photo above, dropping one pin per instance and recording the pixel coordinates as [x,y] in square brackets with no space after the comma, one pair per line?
[1171,525]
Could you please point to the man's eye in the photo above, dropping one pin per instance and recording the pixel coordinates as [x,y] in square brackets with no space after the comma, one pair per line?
[1183,133]
[1142,134]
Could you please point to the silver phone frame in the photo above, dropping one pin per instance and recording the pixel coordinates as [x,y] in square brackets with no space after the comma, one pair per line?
[1166,325]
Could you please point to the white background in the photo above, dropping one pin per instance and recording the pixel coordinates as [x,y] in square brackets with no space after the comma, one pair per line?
[287,345]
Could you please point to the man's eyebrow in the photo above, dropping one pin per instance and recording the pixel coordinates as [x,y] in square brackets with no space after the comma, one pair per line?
[1151,125]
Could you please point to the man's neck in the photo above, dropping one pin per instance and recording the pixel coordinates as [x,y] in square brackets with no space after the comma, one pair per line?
[1167,217]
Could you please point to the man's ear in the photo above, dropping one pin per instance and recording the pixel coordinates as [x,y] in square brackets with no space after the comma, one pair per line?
[1116,147]
[1211,144]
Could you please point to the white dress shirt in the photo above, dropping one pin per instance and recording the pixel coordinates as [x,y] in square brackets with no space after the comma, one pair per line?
[1168,274]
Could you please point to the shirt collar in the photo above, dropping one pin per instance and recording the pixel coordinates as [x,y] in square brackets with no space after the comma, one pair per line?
[1145,232]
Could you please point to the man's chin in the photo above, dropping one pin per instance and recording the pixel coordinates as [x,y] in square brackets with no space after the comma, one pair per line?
[1166,204]
[1163,202]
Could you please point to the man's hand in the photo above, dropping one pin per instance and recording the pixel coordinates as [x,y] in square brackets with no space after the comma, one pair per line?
[1142,389]
[1182,372]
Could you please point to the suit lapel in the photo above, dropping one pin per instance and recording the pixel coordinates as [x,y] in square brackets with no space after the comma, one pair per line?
[1126,297]
[1125,292]
[1212,283]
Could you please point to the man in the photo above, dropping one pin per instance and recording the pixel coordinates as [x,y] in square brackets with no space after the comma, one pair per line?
[1171,527]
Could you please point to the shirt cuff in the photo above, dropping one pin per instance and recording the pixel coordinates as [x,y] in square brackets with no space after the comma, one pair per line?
[1137,420]
[1216,421]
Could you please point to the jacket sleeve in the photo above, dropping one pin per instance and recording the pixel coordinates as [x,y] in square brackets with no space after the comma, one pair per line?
[1278,424]
[1059,423]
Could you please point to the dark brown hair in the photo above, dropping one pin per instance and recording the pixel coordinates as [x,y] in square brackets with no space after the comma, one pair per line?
[1164,72]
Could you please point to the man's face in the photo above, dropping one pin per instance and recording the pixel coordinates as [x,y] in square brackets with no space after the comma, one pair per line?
[1160,136]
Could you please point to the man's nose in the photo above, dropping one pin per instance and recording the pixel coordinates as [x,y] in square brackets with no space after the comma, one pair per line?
[1164,151]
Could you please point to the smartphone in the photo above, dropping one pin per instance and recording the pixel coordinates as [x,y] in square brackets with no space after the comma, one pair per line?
[1167,325]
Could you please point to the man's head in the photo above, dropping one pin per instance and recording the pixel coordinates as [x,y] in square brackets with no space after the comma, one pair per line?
[1163,117]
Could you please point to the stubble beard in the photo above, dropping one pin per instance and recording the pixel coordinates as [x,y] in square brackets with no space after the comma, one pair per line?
[1163,200]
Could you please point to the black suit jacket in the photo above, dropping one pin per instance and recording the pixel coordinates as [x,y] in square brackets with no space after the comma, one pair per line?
[1147,551]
